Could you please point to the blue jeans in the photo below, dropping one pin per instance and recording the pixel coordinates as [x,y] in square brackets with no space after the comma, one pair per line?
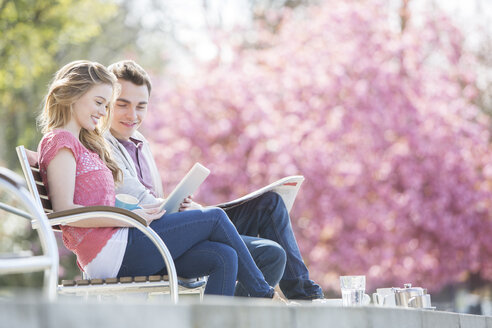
[269,258]
[201,242]
[267,217]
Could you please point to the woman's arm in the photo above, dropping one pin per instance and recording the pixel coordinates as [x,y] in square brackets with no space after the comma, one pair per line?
[61,180]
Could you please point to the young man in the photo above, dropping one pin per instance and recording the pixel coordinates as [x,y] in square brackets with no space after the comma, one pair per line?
[264,222]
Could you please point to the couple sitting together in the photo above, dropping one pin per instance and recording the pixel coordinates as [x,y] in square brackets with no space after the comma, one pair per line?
[91,149]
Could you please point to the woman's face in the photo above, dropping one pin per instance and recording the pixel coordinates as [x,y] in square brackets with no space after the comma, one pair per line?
[88,109]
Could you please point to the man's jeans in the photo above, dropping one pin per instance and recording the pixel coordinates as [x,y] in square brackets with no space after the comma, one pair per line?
[267,217]
[269,258]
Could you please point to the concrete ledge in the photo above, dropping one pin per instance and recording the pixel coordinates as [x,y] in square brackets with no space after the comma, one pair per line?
[220,312]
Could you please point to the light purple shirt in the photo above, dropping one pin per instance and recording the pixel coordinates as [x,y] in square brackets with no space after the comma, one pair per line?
[134,148]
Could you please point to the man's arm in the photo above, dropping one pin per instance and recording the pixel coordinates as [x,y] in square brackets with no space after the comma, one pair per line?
[131,184]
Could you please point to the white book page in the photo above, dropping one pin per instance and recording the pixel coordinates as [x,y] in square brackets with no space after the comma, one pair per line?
[186,187]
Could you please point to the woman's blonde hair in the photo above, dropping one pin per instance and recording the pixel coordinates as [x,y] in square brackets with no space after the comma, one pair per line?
[71,82]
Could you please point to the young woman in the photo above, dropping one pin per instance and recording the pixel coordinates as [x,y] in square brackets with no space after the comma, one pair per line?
[78,170]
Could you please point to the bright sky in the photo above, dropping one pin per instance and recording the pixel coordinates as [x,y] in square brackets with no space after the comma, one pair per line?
[192,18]
[469,14]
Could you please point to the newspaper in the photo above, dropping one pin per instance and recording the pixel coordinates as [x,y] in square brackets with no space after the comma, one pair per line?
[287,188]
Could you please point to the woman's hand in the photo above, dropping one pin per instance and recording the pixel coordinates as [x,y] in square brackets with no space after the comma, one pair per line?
[149,214]
[188,204]
[153,205]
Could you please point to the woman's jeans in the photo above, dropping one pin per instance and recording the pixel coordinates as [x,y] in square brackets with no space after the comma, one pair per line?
[201,242]
[267,217]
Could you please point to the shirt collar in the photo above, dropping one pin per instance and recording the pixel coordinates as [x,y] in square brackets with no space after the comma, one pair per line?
[133,141]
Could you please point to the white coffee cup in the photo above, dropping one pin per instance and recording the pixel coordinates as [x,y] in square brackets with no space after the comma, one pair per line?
[384,297]
[126,201]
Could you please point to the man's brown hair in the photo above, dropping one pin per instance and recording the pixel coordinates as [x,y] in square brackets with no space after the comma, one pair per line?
[130,71]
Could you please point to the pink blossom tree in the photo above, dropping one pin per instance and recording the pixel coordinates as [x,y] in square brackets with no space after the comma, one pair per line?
[380,122]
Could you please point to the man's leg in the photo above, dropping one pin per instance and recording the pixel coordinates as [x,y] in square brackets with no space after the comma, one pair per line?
[269,258]
[267,217]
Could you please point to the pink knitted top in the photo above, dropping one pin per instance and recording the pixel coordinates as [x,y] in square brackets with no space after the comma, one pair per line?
[94,185]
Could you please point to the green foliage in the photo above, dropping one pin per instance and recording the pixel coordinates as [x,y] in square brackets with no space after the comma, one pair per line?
[34,33]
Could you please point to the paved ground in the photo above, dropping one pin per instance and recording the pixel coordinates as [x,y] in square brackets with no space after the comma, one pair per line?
[219,312]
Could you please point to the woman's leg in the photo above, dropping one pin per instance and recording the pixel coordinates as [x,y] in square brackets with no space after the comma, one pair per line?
[181,232]
[215,260]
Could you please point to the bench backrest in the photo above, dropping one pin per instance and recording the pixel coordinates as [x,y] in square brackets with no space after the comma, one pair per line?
[33,178]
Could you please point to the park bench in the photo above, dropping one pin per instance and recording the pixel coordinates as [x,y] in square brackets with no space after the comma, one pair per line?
[169,283]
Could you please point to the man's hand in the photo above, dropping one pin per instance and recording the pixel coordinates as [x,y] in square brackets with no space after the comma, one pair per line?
[188,204]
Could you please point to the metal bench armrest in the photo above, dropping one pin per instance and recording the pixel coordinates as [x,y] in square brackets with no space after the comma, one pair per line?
[100,209]
[85,213]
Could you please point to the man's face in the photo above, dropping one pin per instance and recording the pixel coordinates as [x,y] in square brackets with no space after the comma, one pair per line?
[130,109]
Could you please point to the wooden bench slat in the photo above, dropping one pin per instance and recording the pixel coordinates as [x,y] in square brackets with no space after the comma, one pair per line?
[82,282]
[141,279]
[46,204]
[126,280]
[155,278]
[36,174]
[111,280]
[68,282]
[42,191]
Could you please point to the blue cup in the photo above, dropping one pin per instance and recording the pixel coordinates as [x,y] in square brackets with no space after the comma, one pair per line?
[126,201]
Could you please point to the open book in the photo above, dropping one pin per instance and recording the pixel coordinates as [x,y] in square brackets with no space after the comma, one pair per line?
[287,188]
